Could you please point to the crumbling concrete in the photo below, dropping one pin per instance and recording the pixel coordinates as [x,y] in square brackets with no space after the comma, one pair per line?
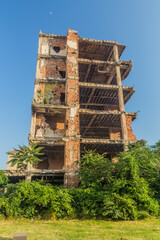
[78,104]
[130,134]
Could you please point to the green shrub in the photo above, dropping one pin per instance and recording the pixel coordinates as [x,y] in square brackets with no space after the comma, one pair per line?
[40,200]
[90,203]
[3,179]
[95,170]
[116,207]
[127,190]
[143,215]
[87,203]
[36,200]
[129,186]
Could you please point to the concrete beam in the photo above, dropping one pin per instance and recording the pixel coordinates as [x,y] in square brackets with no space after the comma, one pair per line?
[122,64]
[105,141]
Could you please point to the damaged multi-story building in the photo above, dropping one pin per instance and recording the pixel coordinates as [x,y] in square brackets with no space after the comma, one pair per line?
[78,104]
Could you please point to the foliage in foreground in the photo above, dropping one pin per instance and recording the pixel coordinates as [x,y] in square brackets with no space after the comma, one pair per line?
[24,155]
[35,199]
[125,190]
[3,180]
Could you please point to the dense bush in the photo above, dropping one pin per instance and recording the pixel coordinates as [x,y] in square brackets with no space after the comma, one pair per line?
[88,203]
[129,189]
[36,199]
[131,186]
[140,164]
[95,170]
[43,201]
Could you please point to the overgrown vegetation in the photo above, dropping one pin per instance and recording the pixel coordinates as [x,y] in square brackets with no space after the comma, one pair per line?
[47,96]
[36,199]
[129,189]
[3,181]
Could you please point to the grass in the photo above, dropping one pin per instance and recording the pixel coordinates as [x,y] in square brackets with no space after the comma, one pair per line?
[86,229]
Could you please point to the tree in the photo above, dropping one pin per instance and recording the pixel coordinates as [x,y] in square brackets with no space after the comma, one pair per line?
[156,147]
[131,183]
[95,170]
[24,155]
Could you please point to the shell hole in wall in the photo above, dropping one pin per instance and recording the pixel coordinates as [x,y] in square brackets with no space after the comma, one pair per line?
[62,98]
[56,49]
[62,73]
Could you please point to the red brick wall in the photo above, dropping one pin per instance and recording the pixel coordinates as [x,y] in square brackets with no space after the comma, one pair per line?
[39,119]
[72,154]
[72,89]
[72,124]
[53,68]
[59,42]
[115,134]
[131,136]
[53,123]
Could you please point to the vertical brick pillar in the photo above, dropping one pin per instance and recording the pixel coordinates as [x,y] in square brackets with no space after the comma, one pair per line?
[72,144]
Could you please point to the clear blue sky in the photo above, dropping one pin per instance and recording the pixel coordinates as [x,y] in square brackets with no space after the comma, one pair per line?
[135,23]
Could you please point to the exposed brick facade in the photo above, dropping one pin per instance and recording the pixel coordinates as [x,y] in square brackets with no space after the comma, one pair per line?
[72,145]
[59,43]
[51,93]
[115,134]
[130,134]
[48,126]
[53,68]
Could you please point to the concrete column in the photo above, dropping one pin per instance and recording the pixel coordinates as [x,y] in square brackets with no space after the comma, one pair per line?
[120,96]
[28,178]
[33,125]
[72,144]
